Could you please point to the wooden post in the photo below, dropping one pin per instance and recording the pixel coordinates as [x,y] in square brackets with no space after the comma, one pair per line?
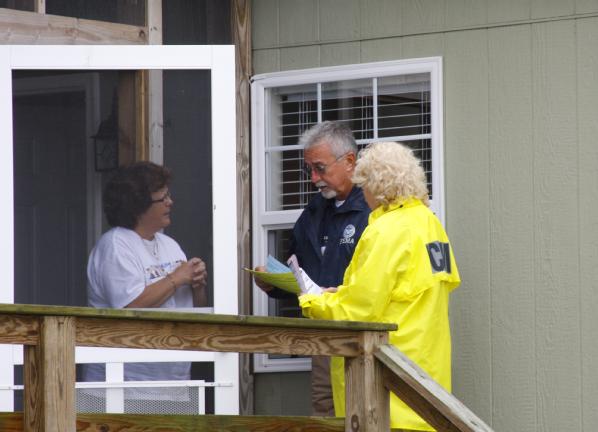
[154,100]
[132,116]
[367,401]
[241,32]
[49,369]
[40,6]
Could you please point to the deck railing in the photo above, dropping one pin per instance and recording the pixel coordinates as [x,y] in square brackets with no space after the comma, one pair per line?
[372,368]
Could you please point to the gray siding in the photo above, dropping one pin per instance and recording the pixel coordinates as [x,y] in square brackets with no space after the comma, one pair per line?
[521,179]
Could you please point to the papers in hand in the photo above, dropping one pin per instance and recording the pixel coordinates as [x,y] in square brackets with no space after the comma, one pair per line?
[278,275]
[293,279]
[306,285]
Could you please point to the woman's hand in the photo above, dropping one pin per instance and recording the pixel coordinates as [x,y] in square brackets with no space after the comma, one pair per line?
[200,274]
[199,280]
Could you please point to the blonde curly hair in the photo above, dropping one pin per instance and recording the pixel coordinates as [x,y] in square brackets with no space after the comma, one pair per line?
[391,173]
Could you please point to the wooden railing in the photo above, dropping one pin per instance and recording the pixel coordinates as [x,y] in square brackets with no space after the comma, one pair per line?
[372,367]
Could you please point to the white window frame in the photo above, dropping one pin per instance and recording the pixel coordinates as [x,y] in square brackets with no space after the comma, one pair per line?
[264,220]
[220,60]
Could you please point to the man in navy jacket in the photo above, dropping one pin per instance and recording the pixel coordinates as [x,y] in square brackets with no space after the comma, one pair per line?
[326,233]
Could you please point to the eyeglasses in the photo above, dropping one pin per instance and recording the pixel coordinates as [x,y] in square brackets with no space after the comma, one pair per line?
[320,168]
[166,196]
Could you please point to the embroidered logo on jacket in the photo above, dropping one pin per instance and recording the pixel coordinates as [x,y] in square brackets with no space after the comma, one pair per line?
[348,234]
[440,256]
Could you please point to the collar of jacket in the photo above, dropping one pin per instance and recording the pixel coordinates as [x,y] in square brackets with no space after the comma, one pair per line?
[354,201]
[395,205]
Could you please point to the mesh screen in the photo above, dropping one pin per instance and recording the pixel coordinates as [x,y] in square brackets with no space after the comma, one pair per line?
[145,400]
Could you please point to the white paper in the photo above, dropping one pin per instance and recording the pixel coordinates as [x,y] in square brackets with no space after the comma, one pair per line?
[306,285]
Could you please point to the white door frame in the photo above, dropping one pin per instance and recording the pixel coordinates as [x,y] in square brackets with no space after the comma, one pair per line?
[217,58]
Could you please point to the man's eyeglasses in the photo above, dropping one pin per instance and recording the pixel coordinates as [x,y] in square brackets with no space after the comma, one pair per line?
[320,168]
[164,198]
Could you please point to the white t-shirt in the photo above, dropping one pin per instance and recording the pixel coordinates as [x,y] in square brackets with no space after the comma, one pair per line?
[120,266]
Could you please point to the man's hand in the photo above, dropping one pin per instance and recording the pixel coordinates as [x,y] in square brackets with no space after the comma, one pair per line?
[260,283]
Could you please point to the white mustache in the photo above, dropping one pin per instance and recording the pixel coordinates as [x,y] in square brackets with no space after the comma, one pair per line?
[321,184]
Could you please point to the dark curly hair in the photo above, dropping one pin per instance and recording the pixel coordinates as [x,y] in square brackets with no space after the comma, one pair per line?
[129,193]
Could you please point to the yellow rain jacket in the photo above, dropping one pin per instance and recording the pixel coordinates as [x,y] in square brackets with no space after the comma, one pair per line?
[402,272]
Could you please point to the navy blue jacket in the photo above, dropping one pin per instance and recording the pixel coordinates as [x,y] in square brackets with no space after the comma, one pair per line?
[347,224]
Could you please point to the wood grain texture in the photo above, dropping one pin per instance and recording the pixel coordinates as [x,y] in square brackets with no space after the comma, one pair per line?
[587,112]
[511,235]
[13,422]
[19,329]
[367,401]
[141,115]
[241,29]
[18,27]
[191,317]
[556,218]
[49,376]
[208,337]
[424,395]
[155,97]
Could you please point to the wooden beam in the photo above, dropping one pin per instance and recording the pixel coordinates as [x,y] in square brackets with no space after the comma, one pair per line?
[26,310]
[40,6]
[17,329]
[49,376]
[13,422]
[367,400]
[132,117]
[425,396]
[141,115]
[241,29]
[155,99]
[215,337]
[20,27]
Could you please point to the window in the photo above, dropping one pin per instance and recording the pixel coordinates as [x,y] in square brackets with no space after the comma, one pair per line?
[386,101]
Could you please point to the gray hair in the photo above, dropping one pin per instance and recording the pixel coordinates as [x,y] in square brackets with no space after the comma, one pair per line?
[336,134]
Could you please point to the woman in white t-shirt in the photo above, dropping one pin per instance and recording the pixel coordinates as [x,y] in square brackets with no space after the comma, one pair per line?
[135,265]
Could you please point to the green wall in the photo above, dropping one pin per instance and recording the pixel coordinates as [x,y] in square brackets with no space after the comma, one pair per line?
[521,179]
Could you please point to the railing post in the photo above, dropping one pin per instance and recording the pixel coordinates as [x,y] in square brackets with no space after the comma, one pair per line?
[49,369]
[367,401]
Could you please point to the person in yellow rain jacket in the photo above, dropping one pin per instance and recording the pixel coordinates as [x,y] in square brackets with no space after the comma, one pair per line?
[402,272]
